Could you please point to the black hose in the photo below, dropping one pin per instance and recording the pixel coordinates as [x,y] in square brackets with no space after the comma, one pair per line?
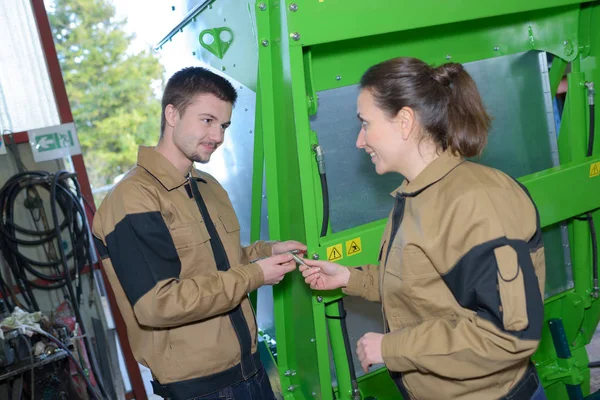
[590,218]
[325,193]
[324,226]
[89,385]
[12,233]
[74,304]
[590,149]
[66,197]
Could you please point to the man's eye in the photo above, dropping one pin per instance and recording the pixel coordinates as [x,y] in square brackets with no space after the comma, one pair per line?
[207,121]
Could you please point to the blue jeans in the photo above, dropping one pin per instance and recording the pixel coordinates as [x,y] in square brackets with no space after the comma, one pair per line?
[539,394]
[256,388]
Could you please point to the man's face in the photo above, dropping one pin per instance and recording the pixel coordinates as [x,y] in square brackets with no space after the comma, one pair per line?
[200,128]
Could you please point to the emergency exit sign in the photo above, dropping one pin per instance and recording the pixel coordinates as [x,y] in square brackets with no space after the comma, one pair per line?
[54,142]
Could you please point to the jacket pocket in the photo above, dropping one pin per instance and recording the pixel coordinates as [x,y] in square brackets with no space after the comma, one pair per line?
[230,223]
[189,235]
[511,287]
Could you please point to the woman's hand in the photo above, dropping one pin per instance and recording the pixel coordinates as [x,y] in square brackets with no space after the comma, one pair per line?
[324,275]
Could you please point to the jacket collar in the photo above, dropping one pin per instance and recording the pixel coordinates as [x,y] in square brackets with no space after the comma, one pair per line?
[162,169]
[433,173]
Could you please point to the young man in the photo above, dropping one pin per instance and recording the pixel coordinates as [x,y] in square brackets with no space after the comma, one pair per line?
[170,244]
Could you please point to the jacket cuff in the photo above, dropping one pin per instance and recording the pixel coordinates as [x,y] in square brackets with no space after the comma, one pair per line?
[268,247]
[392,348]
[355,286]
[253,274]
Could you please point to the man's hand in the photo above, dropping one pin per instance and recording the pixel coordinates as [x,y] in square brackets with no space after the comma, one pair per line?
[290,245]
[325,275]
[369,350]
[274,268]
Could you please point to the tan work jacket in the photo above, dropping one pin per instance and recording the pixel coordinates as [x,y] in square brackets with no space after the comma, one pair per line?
[461,282]
[156,250]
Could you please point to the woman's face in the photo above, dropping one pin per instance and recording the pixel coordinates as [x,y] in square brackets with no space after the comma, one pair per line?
[380,136]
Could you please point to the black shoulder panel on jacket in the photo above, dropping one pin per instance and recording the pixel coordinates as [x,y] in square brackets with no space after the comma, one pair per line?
[142,253]
[102,250]
[473,282]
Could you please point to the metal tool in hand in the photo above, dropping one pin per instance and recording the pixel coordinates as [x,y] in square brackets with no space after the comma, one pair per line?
[293,253]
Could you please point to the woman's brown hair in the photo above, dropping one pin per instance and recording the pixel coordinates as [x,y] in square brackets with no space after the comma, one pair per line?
[445,99]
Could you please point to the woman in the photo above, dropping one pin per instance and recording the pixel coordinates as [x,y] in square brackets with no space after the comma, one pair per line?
[461,267]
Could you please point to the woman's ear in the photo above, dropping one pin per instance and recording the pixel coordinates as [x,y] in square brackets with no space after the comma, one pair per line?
[406,122]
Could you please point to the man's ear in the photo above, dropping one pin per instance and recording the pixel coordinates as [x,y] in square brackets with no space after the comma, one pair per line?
[171,115]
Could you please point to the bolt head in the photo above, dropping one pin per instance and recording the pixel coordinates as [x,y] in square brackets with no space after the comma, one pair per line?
[448,57]
[315,256]
[295,36]
[338,78]
[262,6]
[265,42]
[319,299]
[293,7]
[496,48]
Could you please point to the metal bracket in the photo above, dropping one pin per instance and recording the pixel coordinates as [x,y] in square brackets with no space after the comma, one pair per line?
[216,40]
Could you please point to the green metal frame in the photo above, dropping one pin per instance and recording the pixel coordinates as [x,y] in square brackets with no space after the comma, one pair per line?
[306,46]
[323,44]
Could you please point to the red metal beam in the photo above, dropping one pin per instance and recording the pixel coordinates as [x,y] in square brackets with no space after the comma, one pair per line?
[64,111]
[18,137]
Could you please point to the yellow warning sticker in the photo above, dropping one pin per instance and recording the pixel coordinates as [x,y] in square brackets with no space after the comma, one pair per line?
[353,246]
[334,253]
[594,169]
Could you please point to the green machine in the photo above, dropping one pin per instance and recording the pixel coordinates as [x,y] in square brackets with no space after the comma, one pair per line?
[297,64]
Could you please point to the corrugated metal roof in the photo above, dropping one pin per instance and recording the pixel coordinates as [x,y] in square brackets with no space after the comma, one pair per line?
[26,97]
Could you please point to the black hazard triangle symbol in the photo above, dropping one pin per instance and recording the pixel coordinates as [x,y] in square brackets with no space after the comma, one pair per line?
[354,248]
[334,254]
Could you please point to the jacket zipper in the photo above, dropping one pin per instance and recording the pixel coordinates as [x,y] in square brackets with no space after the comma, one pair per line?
[397,217]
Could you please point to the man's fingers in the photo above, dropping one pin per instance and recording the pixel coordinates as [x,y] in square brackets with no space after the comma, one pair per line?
[365,367]
[289,267]
[282,258]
